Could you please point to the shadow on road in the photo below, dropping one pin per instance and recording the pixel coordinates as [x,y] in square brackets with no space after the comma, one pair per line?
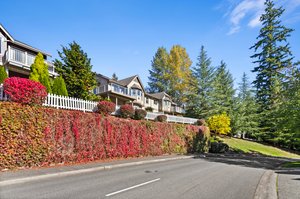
[248,160]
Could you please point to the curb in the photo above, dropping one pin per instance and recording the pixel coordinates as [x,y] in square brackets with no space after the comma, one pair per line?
[266,188]
[81,171]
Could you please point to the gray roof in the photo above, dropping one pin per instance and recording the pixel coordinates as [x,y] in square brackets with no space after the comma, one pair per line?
[98,76]
[126,81]
[157,95]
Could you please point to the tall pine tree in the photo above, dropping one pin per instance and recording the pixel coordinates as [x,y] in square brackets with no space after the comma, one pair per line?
[76,69]
[274,62]
[159,68]
[223,91]
[245,117]
[199,99]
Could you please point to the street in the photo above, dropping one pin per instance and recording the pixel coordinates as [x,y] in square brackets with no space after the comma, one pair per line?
[189,178]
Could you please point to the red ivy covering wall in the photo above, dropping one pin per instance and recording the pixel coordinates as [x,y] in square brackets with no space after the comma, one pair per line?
[37,136]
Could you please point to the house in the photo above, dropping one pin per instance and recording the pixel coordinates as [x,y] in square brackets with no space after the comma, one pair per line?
[17,56]
[131,90]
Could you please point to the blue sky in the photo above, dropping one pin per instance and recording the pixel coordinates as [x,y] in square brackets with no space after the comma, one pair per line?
[123,35]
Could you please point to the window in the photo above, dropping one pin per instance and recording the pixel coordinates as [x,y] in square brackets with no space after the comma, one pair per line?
[133,92]
[147,100]
[167,103]
[155,102]
[136,92]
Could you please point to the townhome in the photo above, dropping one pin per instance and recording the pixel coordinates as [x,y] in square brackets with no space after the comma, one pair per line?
[17,56]
[131,90]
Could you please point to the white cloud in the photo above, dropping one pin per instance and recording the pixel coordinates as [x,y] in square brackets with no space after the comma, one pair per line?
[255,21]
[249,12]
[250,8]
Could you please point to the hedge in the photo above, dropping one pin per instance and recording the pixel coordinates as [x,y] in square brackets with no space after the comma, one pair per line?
[25,91]
[39,136]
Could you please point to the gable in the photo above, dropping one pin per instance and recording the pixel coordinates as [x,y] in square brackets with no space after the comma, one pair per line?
[6,33]
[136,83]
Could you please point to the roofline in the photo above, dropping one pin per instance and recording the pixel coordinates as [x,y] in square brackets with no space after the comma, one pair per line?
[141,82]
[98,74]
[30,47]
[6,32]
[22,44]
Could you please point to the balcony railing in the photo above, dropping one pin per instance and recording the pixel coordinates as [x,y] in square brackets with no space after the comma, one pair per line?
[111,87]
[25,59]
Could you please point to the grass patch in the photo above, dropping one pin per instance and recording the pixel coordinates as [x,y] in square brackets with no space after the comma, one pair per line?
[254,147]
[291,165]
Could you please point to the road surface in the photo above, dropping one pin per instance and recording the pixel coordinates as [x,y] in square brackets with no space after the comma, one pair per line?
[189,178]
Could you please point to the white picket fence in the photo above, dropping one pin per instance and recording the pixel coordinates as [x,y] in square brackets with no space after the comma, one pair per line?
[62,102]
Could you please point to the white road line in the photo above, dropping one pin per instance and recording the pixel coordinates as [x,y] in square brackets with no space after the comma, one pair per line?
[135,186]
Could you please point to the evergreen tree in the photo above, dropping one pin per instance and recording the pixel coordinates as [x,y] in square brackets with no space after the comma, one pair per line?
[179,74]
[245,117]
[39,72]
[59,87]
[223,91]
[272,54]
[199,99]
[3,74]
[159,69]
[115,77]
[274,62]
[288,128]
[75,68]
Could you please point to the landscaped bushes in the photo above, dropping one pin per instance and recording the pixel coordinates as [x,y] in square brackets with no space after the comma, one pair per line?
[126,111]
[201,141]
[140,114]
[106,107]
[161,118]
[35,136]
[25,91]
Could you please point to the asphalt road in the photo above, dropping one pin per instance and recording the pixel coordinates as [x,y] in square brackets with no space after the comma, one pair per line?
[190,178]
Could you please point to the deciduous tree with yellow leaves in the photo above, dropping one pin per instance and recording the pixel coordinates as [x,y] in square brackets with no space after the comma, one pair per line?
[219,124]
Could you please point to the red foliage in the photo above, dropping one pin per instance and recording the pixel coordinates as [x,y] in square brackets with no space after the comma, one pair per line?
[37,136]
[126,111]
[25,91]
[106,107]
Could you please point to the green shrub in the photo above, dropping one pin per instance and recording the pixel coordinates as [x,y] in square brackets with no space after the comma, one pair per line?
[39,72]
[219,124]
[218,147]
[161,118]
[140,114]
[59,87]
[149,109]
[3,74]
[126,111]
[201,141]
